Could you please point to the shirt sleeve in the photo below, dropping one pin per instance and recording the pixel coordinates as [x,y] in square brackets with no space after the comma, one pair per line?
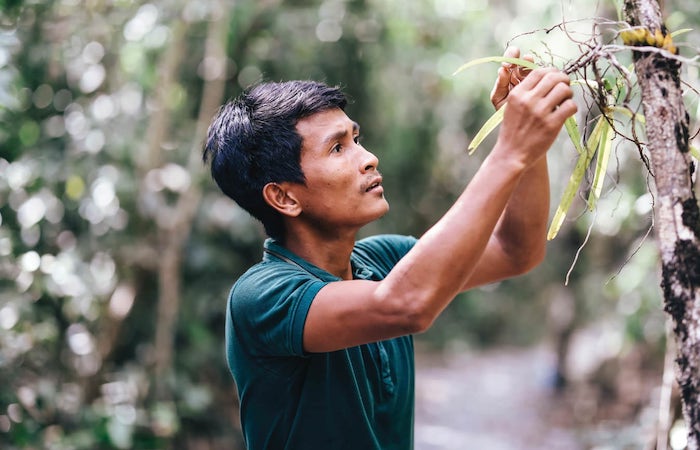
[269,308]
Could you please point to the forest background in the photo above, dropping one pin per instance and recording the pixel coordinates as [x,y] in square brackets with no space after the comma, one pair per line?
[117,250]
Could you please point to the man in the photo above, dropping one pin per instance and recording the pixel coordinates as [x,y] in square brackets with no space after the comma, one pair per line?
[318,333]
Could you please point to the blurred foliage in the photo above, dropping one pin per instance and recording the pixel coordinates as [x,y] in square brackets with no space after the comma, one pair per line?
[100,116]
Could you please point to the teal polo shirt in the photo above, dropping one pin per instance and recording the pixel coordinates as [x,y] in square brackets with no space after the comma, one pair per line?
[358,398]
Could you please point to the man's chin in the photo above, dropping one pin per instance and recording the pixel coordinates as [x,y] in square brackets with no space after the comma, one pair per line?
[386,210]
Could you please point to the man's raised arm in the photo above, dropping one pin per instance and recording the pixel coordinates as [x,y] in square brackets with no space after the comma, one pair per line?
[461,247]
[519,240]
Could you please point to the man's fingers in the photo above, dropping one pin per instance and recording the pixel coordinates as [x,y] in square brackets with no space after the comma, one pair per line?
[565,110]
[516,73]
[520,71]
[501,87]
[516,76]
[511,52]
[541,81]
[559,93]
[545,91]
[534,78]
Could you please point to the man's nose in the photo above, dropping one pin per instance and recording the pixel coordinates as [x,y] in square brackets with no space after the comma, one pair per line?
[369,161]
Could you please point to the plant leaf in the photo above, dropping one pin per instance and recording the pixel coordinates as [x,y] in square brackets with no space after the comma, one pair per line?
[516,61]
[568,196]
[604,147]
[681,31]
[626,111]
[584,160]
[574,133]
[695,152]
[594,138]
[580,82]
[487,128]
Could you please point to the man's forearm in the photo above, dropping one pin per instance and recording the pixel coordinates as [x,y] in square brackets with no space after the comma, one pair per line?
[447,254]
[521,232]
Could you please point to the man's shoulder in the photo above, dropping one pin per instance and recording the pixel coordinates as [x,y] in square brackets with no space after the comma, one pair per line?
[268,276]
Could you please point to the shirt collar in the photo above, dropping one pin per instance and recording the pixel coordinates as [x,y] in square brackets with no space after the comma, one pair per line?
[359,270]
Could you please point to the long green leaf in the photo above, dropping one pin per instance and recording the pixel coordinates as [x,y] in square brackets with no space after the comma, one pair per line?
[516,61]
[594,138]
[574,133]
[487,128]
[584,160]
[604,148]
[568,196]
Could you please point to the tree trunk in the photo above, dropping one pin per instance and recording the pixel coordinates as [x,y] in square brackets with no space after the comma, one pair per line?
[678,216]
[174,234]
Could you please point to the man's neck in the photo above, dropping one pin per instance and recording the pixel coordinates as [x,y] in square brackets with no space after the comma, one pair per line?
[330,251]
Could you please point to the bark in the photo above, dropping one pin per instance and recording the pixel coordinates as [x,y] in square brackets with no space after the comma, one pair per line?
[678,216]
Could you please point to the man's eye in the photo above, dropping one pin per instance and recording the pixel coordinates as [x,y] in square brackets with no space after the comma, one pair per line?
[337,148]
[357,139]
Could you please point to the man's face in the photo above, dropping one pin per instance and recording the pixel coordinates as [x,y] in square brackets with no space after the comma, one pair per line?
[343,188]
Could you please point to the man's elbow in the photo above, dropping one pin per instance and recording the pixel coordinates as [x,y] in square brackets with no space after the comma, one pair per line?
[416,319]
[527,261]
[420,322]
[409,314]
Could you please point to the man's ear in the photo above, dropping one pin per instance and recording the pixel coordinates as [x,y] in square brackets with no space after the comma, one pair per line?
[281,199]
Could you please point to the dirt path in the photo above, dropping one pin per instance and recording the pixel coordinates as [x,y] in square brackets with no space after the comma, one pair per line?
[495,401]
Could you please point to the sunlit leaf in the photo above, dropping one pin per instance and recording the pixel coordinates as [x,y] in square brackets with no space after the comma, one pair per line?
[604,147]
[502,59]
[487,128]
[584,160]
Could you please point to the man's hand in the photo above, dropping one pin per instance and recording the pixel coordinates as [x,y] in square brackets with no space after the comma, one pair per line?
[509,76]
[539,102]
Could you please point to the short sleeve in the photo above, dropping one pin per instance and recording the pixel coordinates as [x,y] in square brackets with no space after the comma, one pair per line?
[268,309]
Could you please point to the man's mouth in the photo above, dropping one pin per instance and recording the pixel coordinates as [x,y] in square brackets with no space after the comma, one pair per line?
[374,184]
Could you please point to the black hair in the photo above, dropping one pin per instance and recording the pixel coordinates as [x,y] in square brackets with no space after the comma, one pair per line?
[253,141]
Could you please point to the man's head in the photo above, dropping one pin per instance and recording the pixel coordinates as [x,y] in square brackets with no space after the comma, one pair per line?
[253,141]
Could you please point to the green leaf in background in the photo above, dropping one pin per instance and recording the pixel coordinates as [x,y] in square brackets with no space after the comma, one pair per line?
[584,160]
[501,59]
[604,147]
[487,128]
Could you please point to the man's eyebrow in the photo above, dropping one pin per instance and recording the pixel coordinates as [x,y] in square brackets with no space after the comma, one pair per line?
[341,133]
